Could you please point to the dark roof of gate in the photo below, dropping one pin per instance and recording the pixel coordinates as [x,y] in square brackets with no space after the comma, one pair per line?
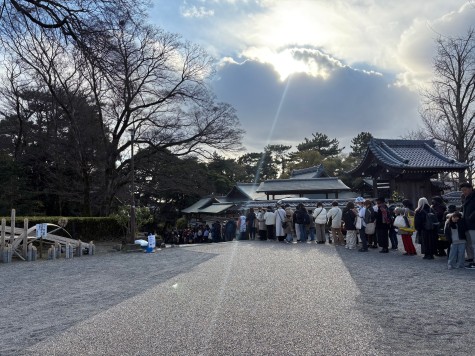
[408,155]
[311,172]
[302,185]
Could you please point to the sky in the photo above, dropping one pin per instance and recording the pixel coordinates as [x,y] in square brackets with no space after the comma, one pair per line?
[295,67]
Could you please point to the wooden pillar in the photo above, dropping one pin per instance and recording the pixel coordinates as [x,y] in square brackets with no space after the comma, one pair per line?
[25,238]
[2,239]
[12,227]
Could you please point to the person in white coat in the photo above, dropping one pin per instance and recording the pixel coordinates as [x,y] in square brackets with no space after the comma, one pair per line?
[335,214]
[269,218]
[279,219]
[320,216]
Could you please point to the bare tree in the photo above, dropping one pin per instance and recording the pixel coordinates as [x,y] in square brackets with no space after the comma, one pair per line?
[143,79]
[156,85]
[81,21]
[448,111]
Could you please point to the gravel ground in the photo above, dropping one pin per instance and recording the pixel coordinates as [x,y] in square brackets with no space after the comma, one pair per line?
[238,298]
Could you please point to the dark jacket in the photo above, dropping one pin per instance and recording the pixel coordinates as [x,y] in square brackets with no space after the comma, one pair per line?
[380,223]
[420,217]
[301,216]
[449,225]
[349,217]
[468,209]
[439,210]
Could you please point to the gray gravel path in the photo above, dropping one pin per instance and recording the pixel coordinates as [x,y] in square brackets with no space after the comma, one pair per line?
[238,298]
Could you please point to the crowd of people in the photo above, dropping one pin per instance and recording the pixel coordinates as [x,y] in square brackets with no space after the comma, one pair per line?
[363,224]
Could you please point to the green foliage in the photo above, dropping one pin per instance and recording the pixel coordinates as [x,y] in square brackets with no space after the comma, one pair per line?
[359,144]
[259,166]
[304,159]
[142,217]
[322,144]
[280,157]
[223,173]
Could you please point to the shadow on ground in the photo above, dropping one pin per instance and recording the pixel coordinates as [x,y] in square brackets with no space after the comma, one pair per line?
[43,298]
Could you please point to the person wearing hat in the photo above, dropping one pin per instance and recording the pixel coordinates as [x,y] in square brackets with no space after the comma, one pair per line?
[468,219]
[383,222]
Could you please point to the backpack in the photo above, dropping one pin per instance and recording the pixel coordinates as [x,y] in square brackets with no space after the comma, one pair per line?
[299,217]
[306,219]
[431,222]
[370,215]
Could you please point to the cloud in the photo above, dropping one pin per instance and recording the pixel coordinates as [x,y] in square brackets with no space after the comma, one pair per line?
[345,104]
[375,34]
[196,12]
[417,49]
[338,67]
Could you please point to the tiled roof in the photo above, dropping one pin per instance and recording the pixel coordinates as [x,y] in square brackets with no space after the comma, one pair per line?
[302,185]
[409,155]
[249,190]
[195,208]
[311,172]
[216,208]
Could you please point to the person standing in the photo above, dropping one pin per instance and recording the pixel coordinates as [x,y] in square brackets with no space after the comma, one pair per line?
[296,225]
[383,222]
[230,230]
[261,222]
[279,221]
[363,238]
[251,224]
[455,235]
[301,219]
[288,217]
[429,235]
[349,218]
[439,208]
[370,222]
[468,219]
[335,215]
[242,227]
[269,218]
[320,216]
[392,229]
[216,232]
[406,233]
[311,225]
